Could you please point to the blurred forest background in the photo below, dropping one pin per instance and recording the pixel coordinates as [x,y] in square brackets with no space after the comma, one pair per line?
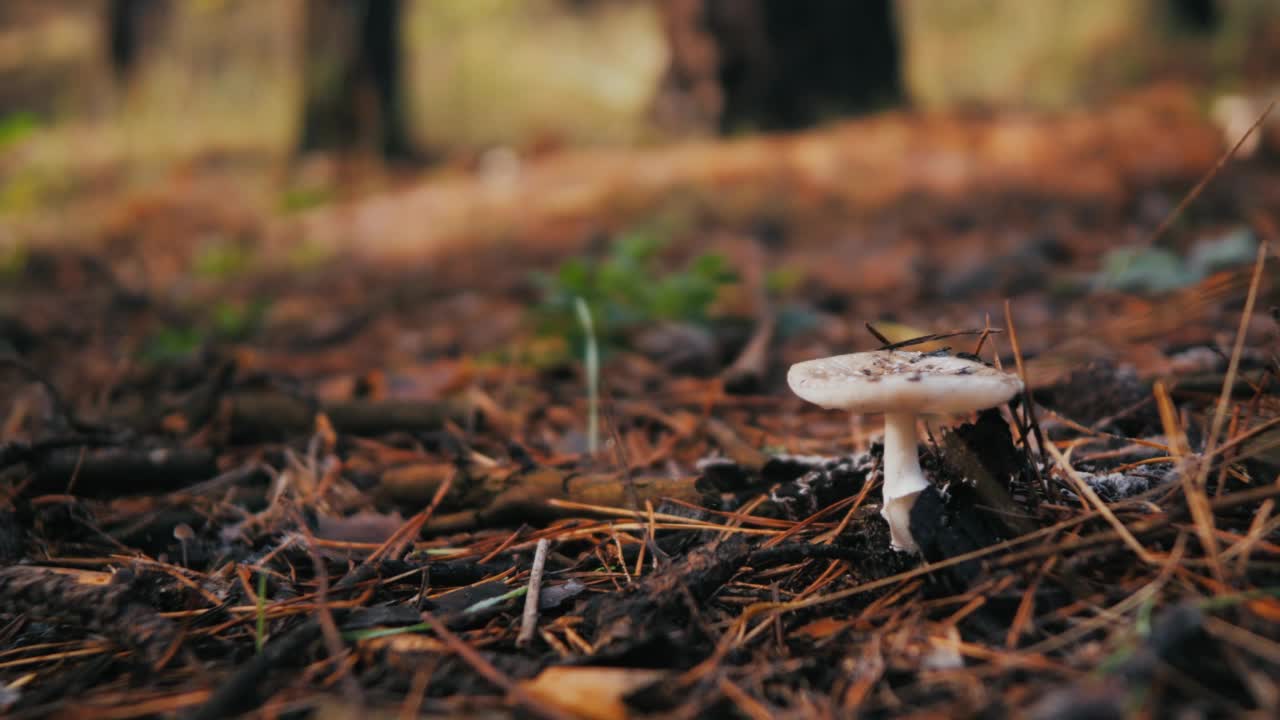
[197,145]
[114,94]
[432,77]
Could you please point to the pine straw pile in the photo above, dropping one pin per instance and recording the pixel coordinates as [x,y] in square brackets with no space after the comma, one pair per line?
[1072,568]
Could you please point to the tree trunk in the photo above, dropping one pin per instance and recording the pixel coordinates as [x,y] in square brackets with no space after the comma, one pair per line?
[131,25]
[352,85]
[776,64]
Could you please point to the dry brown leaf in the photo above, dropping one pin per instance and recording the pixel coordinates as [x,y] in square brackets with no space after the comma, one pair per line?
[589,692]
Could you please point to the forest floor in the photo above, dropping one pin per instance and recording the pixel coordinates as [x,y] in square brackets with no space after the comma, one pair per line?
[332,454]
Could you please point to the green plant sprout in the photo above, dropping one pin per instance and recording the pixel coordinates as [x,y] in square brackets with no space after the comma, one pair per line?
[171,343]
[16,127]
[260,630]
[221,259]
[1157,270]
[233,320]
[627,290]
[592,362]
[223,321]
[298,199]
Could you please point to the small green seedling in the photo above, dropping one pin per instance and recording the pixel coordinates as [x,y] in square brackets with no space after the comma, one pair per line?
[16,127]
[221,259]
[626,290]
[592,362]
[260,630]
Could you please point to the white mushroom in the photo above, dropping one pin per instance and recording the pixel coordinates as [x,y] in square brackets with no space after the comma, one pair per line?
[903,385]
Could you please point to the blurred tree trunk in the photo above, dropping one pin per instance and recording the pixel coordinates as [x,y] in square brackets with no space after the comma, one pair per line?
[776,64]
[352,85]
[131,25]
[690,98]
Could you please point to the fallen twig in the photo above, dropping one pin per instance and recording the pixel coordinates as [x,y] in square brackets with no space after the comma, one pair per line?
[529,619]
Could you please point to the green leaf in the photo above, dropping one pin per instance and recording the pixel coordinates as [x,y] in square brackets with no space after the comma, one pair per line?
[299,199]
[238,320]
[627,289]
[783,281]
[222,259]
[15,127]
[574,277]
[1142,269]
[172,343]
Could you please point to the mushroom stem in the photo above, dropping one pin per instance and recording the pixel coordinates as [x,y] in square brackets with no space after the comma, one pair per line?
[903,479]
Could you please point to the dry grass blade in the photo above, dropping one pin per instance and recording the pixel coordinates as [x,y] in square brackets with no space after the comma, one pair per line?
[399,542]
[1233,365]
[1088,493]
[1195,485]
[1256,645]
[1176,436]
[1191,196]
[982,334]
[744,703]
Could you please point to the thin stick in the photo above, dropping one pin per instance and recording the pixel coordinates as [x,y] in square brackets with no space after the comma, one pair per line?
[755,609]
[753,362]
[922,339]
[886,342]
[1262,647]
[1178,446]
[1236,499]
[743,702]
[1028,404]
[1233,366]
[648,538]
[324,615]
[1017,349]
[529,619]
[1197,497]
[1204,181]
[402,539]
[986,332]
[417,691]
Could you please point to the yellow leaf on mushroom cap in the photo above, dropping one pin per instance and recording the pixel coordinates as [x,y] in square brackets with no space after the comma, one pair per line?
[896,332]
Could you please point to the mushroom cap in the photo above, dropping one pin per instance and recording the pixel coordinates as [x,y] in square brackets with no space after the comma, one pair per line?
[900,381]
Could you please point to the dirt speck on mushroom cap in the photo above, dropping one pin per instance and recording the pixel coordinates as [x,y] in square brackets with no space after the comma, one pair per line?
[901,381]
